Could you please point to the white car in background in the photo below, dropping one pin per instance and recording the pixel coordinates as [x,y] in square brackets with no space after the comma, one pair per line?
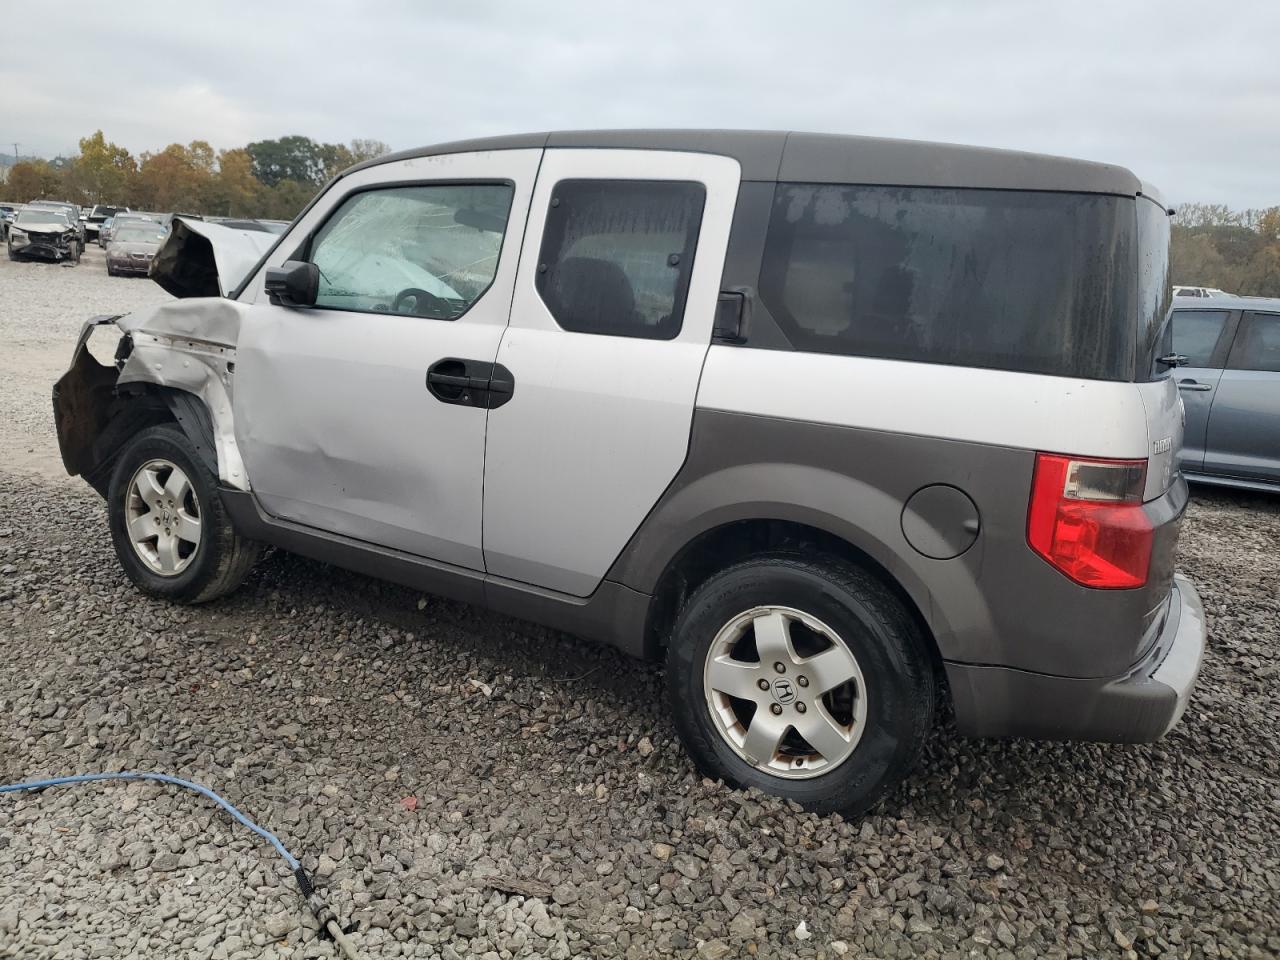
[1199,292]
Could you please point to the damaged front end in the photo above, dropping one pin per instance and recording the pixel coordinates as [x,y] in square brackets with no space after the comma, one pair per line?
[172,363]
[46,244]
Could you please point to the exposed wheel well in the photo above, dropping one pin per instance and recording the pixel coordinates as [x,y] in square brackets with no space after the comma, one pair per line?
[134,408]
[716,549]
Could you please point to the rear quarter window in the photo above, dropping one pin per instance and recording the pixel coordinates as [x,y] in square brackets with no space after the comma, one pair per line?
[1014,280]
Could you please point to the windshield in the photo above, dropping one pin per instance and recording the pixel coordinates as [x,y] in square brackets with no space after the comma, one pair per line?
[137,233]
[41,216]
[100,213]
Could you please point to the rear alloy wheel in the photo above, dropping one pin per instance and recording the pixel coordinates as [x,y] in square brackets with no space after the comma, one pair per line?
[785,692]
[803,676]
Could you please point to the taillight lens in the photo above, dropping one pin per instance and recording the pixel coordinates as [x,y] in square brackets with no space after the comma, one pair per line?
[1086,519]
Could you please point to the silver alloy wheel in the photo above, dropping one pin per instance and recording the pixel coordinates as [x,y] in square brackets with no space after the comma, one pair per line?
[790,713]
[162,516]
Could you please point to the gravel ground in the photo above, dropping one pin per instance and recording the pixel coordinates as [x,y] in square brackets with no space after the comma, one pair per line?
[468,785]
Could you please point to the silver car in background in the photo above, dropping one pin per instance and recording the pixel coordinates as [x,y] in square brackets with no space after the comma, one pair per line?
[45,233]
[73,217]
[1229,379]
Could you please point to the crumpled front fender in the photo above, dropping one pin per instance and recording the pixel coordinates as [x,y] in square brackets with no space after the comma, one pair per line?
[167,354]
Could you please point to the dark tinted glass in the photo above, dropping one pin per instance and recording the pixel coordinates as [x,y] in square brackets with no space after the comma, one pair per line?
[617,254]
[1196,333]
[1013,280]
[1155,293]
[1258,343]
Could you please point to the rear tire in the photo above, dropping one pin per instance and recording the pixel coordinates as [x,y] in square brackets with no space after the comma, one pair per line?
[158,485]
[837,621]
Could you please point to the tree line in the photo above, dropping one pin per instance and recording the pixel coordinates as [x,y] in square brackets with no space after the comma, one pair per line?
[1212,245]
[267,179]
[1234,250]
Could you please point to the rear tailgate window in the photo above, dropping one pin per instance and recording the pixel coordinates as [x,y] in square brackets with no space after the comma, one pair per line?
[1031,281]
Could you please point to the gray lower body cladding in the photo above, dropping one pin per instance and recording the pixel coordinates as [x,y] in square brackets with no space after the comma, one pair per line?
[996,603]
[614,614]
[1138,707]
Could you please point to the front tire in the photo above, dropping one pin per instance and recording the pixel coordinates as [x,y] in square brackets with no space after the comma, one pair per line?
[804,677]
[168,525]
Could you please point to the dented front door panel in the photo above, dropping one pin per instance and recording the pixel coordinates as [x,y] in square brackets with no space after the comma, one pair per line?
[334,417]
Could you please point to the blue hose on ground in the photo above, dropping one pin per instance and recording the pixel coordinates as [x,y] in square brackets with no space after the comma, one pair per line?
[327,918]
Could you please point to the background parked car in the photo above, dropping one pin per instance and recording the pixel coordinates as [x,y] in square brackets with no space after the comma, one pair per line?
[73,217]
[1199,292]
[111,223]
[7,212]
[1230,387]
[93,223]
[45,232]
[132,247]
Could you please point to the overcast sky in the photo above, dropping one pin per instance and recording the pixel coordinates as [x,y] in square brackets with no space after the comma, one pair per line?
[1183,92]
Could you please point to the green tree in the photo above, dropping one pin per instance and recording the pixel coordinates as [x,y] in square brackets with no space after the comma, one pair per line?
[284,200]
[295,158]
[361,150]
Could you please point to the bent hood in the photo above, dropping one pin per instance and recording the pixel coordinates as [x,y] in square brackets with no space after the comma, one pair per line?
[199,259]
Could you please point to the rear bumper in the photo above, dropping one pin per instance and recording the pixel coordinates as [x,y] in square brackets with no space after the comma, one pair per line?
[1138,707]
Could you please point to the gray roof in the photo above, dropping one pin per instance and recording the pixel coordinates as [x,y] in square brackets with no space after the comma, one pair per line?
[830,158]
[1229,301]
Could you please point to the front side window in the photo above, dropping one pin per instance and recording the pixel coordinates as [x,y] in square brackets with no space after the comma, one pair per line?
[1257,345]
[429,251]
[617,255]
[1014,280]
[1196,334]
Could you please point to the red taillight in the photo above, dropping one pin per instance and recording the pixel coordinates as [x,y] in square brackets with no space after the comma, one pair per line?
[1086,519]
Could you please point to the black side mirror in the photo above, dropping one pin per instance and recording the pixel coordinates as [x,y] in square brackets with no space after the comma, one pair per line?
[295,284]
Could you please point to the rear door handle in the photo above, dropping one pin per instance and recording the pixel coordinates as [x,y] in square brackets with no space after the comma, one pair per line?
[1194,386]
[470,383]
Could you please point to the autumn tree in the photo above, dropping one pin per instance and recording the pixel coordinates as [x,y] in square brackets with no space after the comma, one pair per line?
[1234,250]
[32,180]
[175,179]
[102,171]
[234,191]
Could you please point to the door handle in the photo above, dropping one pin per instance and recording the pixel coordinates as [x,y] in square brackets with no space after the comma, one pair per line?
[1193,386]
[470,383]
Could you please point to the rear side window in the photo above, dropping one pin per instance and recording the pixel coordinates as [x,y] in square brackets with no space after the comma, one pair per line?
[617,255]
[1196,334]
[1257,345]
[1012,280]
[430,251]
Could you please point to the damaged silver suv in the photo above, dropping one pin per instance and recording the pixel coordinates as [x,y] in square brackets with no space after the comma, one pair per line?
[838,426]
